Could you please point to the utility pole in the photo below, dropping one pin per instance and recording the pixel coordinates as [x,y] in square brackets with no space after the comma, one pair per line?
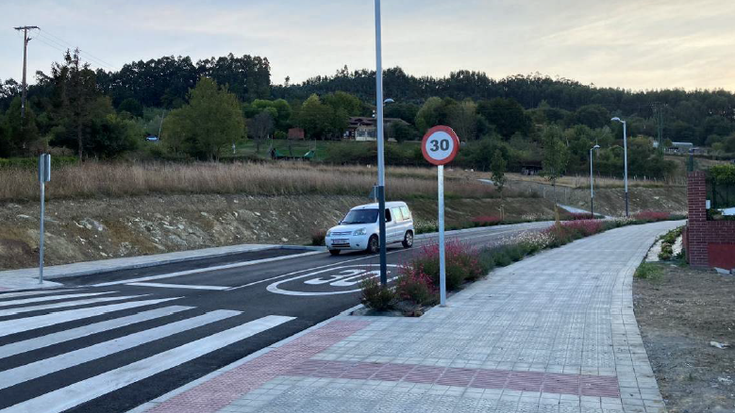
[26,39]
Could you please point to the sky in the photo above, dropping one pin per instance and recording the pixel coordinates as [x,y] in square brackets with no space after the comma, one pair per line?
[631,44]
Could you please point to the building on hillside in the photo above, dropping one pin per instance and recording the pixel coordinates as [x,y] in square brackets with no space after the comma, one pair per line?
[681,147]
[531,167]
[363,128]
[296,134]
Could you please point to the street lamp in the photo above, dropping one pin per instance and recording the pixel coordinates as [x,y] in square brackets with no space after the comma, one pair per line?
[381,155]
[592,184]
[625,161]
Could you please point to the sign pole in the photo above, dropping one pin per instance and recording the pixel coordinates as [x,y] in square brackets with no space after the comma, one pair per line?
[442,255]
[44,175]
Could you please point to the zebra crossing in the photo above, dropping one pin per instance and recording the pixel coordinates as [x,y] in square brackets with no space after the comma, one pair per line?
[60,349]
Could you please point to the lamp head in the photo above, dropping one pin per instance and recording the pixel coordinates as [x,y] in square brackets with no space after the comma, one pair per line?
[388,101]
[596,147]
[616,119]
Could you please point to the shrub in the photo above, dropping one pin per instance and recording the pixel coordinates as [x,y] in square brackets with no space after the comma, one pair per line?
[485,221]
[462,264]
[651,216]
[415,286]
[649,271]
[575,216]
[317,237]
[424,227]
[376,296]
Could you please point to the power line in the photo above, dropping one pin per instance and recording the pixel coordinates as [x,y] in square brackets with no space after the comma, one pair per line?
[63,47]
[56,39]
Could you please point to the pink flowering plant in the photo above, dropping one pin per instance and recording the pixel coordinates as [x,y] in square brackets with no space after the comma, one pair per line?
[651,216]
[485,221]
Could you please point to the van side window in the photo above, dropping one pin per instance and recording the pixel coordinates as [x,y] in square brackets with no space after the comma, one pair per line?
[406,214]
[397,213]
[387,215]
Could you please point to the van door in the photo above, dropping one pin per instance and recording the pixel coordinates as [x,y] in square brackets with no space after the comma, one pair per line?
[398,224]
[389,226]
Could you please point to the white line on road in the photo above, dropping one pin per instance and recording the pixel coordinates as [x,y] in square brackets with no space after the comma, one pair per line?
[13,311]
[40,368]
[181,286]
[87,330]
[34,292]
[49,298]
[31,323]
[93,387]
[208,269]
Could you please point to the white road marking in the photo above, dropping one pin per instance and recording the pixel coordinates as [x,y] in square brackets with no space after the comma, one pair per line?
[181,286]
[93,387]
[49,298]
[30,323]
[87,330]
[209,269]
[34,292]
[43,367]
[346,273]
[20,310]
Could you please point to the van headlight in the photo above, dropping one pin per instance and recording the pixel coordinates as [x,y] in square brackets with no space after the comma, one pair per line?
[361,231]
[329,233]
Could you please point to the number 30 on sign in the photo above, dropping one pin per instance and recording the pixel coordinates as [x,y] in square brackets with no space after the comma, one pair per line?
[440,145]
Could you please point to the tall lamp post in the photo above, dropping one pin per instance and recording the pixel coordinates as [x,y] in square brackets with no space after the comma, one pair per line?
[381,156]
[592,184]
[625,161]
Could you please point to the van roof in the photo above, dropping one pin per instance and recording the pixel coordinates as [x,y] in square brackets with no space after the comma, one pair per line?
[387,205]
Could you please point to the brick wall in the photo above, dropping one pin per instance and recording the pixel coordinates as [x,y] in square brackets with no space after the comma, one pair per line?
[707,243]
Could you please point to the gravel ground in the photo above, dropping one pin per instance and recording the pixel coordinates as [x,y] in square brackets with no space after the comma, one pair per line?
[679,314]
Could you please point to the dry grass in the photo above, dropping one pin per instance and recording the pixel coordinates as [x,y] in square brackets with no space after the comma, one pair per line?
[93,179]
[601,182]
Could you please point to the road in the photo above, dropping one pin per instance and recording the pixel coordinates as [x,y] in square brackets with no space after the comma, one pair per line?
[110,342]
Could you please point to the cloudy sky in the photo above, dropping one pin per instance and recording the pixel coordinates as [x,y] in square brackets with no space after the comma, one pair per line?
[633,44]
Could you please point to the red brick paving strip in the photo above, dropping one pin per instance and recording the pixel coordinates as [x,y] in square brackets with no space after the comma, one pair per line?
[224,389]
[293,359]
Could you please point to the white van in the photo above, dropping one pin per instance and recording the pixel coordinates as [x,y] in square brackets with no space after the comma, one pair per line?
[360,228]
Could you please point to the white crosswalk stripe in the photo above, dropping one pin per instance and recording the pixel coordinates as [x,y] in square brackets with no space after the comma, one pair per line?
[31,323]
[85,390]
[119,357]
[83,331]
[43,367]
[50,298]
[18,310]
[31,293]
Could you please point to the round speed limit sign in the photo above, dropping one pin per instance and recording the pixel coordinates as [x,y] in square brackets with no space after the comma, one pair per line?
[440,145]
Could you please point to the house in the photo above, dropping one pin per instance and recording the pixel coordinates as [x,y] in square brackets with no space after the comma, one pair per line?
[295,134]
[681,147]
[531,167]
[363,128]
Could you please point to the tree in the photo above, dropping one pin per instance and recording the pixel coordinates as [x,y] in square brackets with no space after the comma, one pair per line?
[556,155]
[112,135]
[497,171]
[317,119]
[20,134]
[343,100]
[401,132]
[132,106]
[260,127]
[428,115]
[593,116]
[75,90]
[210,121]
[507,115]
[463,119]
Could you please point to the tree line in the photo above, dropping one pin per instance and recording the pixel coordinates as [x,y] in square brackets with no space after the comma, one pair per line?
[205,107]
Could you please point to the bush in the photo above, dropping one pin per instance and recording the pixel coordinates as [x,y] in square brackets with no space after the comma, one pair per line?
[649,271]
[415,286]
[462,264]
[651,216]
[485,221]
[317,237]
[376,296]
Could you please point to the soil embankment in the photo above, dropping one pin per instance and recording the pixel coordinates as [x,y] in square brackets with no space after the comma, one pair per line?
[101,228]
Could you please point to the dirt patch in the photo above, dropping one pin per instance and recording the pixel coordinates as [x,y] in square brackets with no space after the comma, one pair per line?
[679,314]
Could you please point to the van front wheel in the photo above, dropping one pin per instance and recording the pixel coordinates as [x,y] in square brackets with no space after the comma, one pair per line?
[373,245]
[334,252]
[408,240]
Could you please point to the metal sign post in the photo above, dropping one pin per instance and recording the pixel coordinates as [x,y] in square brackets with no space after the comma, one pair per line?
[44,175]
[440,146]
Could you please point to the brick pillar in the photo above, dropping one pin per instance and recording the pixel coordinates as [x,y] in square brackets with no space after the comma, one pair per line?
[697,225]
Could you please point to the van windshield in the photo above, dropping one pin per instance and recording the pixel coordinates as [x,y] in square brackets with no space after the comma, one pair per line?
[361,216]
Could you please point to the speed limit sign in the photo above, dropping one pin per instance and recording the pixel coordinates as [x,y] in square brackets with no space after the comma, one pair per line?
[440,145]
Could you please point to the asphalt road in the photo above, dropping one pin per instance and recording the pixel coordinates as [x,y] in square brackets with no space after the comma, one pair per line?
[113,341]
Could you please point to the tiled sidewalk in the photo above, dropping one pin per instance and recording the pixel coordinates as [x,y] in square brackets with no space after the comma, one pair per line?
[552,333]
